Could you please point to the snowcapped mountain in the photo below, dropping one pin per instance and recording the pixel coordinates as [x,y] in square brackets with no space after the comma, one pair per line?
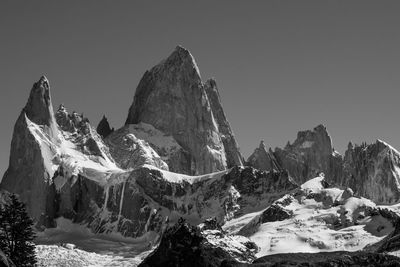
[175,164]
[371,171]
[172,97]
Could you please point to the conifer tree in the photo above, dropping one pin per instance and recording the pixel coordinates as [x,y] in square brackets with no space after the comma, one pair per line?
[16,233]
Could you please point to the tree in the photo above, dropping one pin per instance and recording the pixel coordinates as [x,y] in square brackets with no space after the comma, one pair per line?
[16,233]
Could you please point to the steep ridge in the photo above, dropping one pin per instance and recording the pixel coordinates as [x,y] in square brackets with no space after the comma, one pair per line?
[103,128]
[371,171]
[172,98]
[233,156]
[29,173]
[121,184]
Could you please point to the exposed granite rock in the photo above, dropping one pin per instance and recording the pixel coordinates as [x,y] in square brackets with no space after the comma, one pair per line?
[73,123]
[172,98]
[150,199]
[390,243]
[29,173]
[165,146]
[186,245]
[310,154]
[373,171]
[257,188]
[275,212]
[233,156]
[39,109]
[263,159]
[103,128]
[131,152]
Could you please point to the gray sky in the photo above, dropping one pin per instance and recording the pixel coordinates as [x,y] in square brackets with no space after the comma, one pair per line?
[281,66]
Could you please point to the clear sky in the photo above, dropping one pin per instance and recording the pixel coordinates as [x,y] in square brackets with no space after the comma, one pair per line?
[281,66]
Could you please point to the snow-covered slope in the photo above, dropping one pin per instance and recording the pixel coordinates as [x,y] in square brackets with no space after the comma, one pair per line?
[315,218]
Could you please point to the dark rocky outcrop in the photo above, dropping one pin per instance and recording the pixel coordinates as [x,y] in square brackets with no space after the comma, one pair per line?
[186,245]
[392,241]
[103,128]
[258,188]
[5,261]
[326,259]
[172,98]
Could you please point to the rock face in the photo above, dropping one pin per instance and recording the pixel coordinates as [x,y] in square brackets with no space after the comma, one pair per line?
[39,109]
[64,168]
[310,154]
[172,98]
[186,245]
[29,173]
[233,156]
[104,129]
[371,171]
[263,159]
[390,243]
[164,146]
[131,152]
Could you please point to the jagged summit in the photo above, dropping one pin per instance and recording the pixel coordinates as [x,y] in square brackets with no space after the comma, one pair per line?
[103,128]
[263,158]
[310,154]
[39,108]
[172,98]
[319,133]
[185,56]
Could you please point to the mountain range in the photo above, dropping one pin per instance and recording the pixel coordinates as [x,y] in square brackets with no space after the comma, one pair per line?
[173,181]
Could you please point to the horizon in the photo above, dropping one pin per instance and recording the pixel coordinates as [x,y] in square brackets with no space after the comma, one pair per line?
[288,74]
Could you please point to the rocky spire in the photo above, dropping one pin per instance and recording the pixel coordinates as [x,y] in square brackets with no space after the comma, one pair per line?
[178,72]
[104,128]
[39,109]
[310,154]
[233,155]
[263,159]
[29,173]
[172,98]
